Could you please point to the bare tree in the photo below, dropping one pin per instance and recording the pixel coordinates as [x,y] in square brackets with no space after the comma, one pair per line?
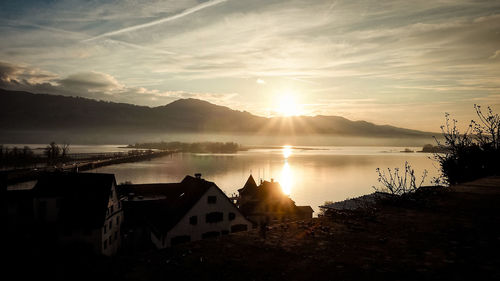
[65,149]
[397,184]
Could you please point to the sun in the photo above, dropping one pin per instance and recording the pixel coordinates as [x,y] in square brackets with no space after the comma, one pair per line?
[287,105]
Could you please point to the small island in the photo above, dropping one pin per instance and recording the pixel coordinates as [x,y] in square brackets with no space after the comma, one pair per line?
[429,148]
[195,147]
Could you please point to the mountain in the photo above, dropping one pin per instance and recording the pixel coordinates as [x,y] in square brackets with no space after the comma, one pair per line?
[28,112]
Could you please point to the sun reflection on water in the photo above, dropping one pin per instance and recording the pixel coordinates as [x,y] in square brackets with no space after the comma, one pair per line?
[287,151]
[286,180]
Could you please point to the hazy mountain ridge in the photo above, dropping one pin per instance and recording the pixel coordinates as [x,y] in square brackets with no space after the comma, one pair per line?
[23,111]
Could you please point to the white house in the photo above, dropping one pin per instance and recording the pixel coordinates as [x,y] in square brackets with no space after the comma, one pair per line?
[191,210]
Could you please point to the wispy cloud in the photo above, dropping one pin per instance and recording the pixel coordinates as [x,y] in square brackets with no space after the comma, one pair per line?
[184,13]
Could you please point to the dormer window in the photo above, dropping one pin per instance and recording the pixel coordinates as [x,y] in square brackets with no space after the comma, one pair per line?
[193,220]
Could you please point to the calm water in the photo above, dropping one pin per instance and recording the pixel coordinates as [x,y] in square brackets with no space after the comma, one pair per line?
[310,175]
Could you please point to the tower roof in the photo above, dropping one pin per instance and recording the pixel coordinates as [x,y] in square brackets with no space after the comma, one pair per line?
[249,187]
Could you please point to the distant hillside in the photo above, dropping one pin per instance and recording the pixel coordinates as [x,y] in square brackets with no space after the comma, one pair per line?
[25,112]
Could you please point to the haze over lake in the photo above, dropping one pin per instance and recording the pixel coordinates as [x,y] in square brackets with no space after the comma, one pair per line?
[310,175]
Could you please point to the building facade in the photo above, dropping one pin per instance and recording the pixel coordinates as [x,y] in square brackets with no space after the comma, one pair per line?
[191,210]
[70,209]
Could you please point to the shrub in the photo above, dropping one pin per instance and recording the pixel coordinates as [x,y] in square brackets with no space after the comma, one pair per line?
[397,184]
[472,154]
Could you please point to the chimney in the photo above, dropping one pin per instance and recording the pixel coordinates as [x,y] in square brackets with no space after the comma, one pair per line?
[197,175]
[131,196]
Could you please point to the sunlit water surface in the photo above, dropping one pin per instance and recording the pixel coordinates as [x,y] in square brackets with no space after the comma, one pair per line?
[309,175]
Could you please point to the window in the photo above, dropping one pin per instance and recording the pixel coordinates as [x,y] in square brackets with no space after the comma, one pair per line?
[213,217]
[225,232]
[193,220]
[118,220]
[105,246]
[112,209]
[116,235]
[110,224]
[239,227]
[180,239]
[110,240]
[231,216]
[210,234]
[119,204]
[104,229]
[212,199]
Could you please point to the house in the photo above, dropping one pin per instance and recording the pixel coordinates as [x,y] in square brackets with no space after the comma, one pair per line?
[174,213]
[70,209]
[267,202]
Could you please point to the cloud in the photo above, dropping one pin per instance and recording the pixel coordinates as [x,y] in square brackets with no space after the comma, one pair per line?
[184,13]
[95,85]
[12,73]
[91,82]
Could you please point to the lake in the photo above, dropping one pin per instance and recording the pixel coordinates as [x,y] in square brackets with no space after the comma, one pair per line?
[310,175]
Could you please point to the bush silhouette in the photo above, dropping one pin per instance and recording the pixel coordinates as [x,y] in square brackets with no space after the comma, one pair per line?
[472,154]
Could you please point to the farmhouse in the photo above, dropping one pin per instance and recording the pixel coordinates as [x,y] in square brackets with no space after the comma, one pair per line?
[173,213]
[69,209]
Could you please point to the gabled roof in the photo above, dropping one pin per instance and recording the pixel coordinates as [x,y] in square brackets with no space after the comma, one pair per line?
[164,214]
[84,196]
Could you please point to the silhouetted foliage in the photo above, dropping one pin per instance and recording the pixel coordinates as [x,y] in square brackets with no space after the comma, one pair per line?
[52,151]
[397,184]
[16,156]
[432,149]
[22,157]
[472,154]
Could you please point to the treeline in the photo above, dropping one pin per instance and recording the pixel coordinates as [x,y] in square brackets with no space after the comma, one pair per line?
[195,147]
[16,156]
[429,148]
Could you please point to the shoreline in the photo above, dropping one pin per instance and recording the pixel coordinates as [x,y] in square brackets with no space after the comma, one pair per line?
[16,176]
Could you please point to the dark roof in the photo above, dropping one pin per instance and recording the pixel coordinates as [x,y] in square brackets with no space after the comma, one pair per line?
[163,214]
[271,189]
[250,186]
[84,196]
[305,209]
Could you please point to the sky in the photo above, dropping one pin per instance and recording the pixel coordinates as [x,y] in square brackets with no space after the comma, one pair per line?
[403,63]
